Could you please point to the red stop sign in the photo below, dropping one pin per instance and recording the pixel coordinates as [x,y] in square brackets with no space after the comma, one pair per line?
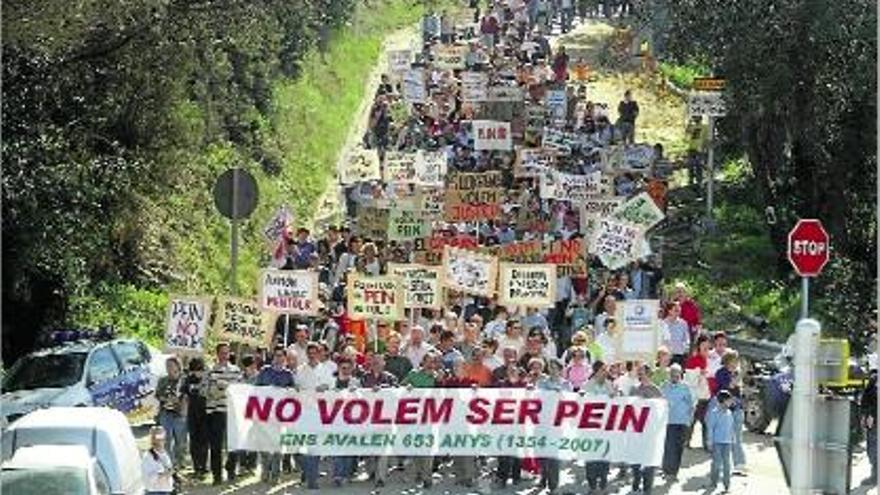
[808,247]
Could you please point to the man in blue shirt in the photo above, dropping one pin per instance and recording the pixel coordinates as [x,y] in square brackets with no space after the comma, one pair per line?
[274,375]
[681,412]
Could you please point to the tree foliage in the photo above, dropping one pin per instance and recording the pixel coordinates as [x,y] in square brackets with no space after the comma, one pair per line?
[105,104]
[801,94]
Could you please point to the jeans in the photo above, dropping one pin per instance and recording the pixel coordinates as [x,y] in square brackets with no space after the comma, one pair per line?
[343,467]
[643,478]
[509,468]
[378,467]
[597,474]
[871,437]
[673,448]
[699,415]
[424,468]
[309,465]
[216,439]
[550,473]
[271,465]
[175,435]
[627,131]
[739,455]
[721,460]
[197,424]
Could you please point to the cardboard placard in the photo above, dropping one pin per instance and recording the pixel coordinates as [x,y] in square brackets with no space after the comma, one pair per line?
[638,158]
[532,162]
[474,87]
[449,57]
[374,298]
[528,285]
[505,94]
[638,332]
[289,291]
[414,90]
[566,255]
[575,188]
[360,165]
[405,225]
[398,62]
[558,140]
[399,166]
[556,102]
[616,243]
[242,320]
[492,135]
[473,197]
[594,208]
[469,272]
[521,251]
[431,168]
[186,326]
[422,284]
[639,210]
[371,222]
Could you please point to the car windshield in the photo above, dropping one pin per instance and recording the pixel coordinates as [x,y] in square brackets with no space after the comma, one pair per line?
[45,481]
[48,371]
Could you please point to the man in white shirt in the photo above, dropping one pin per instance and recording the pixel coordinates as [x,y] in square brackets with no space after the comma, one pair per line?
[416,348]
[717,353]
[313,376]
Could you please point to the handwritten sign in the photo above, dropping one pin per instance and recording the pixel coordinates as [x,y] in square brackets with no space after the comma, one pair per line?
[375,298]
[398,62]
[521,251]
[474,87]
[473,196]
[558,140]
[535,120]
[575,188]
[638,336]
[616,243]
[528,285]
[281,220]
[469,272]
[492,135]
[640,210]
[431,168]
[627,159]
[532,162]
[566,255]
[399,166]
[449,57]
[187,324]
[414,86]
[289,291]
[405,225]
[556,102]
[241,320]
[422,284]
[706,103]
[360,165]
[594,208]
[371,222]
[506,94]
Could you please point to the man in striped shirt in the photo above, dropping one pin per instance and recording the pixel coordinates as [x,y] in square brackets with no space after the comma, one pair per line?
[221,375]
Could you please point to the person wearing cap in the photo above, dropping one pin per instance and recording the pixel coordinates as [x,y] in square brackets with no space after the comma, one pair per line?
[156,466]
[680,405]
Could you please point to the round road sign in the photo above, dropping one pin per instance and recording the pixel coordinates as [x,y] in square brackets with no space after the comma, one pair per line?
[235,194]
[808,247]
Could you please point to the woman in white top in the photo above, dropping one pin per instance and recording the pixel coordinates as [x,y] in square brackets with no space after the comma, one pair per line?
[156,465]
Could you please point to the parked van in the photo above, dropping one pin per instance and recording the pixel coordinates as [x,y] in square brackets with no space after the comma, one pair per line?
[103,431]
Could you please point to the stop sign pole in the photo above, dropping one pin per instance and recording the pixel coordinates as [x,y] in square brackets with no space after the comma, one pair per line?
[808,254]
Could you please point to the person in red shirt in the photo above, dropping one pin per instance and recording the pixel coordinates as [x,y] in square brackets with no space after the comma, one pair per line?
[699,360]
[690,312]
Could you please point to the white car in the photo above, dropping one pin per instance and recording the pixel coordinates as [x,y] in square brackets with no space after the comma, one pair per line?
[120,373]
[104,433]
[53,470]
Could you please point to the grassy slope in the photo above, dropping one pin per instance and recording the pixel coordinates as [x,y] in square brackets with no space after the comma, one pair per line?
[310,124]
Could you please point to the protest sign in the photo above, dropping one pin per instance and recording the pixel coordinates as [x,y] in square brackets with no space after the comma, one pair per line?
[492,135]
[422,287]
[638,158]
[446,421]
[504,94]
[432,201]
[473,197]
[557,140]
[521,251]
[404,225]
[595,208]
[638,334]
[242,320]
[469,272]
[374,298]
[431,168]
[575,188]
[616,243]
[414,86]
[187,324]
[474,87]
[556,102]
[639,210]
[360,165]
[281,220]
[398,62]
[706,103]
[400,166]
[535,120]
[528,285]
[371,222]
[565,255]
[434,246]
[532,162]
[449,57]
[289,291]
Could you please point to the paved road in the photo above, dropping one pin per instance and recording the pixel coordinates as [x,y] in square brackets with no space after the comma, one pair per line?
[764,478]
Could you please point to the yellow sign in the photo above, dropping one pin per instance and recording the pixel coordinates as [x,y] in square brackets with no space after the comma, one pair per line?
[709,84]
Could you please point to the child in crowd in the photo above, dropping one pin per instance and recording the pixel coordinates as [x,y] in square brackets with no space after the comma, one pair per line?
[720,426]
[156,465]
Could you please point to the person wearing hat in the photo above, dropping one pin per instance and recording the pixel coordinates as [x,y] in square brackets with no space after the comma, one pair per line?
[681,411]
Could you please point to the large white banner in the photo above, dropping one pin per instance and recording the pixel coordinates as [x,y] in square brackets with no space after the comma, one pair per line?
[456,422]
